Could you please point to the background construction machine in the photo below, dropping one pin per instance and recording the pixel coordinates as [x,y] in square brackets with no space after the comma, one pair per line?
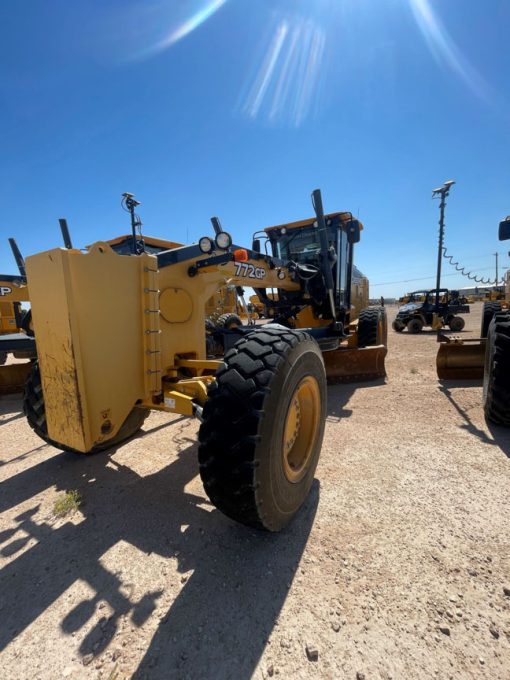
[14,324]
[262,406]
[487,357]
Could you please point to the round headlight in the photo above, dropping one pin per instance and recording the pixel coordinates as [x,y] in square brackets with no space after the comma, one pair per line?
[223,240]
[205,244]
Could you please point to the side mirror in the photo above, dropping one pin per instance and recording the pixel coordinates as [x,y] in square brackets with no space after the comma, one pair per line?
[256,245]
[504,229]
[353,231]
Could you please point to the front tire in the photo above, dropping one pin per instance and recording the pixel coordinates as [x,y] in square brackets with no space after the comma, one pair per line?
[33,408]
[398,326]
[496,375]
[263,426]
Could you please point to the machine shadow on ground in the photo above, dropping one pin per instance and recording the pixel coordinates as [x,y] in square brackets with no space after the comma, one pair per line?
[229,604]
[340,394]
[500,436]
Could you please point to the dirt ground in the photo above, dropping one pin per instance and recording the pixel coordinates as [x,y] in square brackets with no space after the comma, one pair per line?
[398,565]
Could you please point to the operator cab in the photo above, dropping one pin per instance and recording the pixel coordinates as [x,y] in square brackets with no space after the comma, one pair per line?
[298,244]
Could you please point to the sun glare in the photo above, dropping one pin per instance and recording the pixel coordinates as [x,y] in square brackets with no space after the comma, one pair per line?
[288,79]
[444,49]
[195,12]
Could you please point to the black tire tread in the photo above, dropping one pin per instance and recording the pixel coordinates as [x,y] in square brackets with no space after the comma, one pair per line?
[225,320]
[489,309]
[497,398]
[232,414]
[368,327]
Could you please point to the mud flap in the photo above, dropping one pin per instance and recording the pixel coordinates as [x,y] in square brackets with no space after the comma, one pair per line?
[353,364]
[13,377]
[461,360]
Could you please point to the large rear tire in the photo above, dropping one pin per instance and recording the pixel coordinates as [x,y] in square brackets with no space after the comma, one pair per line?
[489,309]
[372,327]
[263,426]
[33,408]
[496,376]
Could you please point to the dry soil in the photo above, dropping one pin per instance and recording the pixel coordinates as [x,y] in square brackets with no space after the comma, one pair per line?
[397,566]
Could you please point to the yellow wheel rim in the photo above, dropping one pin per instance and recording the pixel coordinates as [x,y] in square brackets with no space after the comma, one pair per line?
[300,430]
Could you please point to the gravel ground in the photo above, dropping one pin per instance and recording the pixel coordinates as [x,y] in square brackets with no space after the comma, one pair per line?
[398,566]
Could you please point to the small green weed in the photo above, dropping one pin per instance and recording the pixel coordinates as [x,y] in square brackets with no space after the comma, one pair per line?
[66,503]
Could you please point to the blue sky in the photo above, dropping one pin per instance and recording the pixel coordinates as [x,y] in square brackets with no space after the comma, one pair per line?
[240,108]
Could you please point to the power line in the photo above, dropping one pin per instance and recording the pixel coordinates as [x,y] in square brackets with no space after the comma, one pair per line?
[423,278]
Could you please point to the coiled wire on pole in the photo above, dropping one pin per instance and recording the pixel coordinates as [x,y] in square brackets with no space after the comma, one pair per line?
[470,275]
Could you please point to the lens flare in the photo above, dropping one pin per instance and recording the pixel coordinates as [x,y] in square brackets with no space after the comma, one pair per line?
[288,79]
[190,24]
[444,49]
[181,21]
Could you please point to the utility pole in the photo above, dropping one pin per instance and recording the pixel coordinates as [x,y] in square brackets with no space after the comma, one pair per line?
[497,272]
[443,193]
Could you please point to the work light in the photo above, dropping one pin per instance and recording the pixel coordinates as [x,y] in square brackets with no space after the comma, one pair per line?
[205,244]
[223,240]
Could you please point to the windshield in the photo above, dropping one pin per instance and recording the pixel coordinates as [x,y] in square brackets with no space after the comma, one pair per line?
[301,245]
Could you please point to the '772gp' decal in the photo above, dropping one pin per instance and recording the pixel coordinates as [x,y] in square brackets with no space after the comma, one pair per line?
[249,271]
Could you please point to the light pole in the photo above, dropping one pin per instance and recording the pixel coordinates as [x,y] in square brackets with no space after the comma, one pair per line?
[443,193]
[497,271]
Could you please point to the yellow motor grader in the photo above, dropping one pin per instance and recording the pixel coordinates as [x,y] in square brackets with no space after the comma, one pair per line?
[14,339]
[13,292]
[487,357]
[262,405]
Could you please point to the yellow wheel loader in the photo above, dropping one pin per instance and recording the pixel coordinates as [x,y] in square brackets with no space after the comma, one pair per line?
[487,357]
[262,406]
